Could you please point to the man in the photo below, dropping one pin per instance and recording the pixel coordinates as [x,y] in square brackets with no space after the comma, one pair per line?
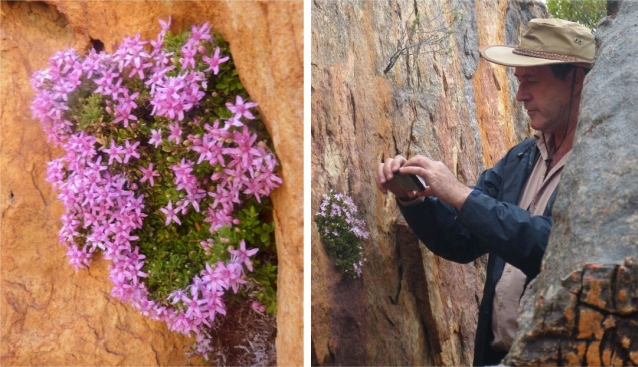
[508,213]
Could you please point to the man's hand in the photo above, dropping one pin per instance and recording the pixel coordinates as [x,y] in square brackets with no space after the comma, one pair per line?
[440,180]
[385,175]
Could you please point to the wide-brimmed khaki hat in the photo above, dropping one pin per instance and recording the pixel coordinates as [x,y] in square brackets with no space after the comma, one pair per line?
[547,42]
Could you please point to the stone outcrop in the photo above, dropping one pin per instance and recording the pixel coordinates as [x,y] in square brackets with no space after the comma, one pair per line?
[585,295]
[409,307]
[53,316]
[590,318]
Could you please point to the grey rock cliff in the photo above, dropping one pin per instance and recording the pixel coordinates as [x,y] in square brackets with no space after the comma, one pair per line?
[583,307]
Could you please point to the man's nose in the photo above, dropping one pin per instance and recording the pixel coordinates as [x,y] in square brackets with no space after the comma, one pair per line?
[522,94]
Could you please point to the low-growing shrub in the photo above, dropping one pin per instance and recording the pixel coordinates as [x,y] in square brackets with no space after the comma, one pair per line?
[166,173]
[342,232]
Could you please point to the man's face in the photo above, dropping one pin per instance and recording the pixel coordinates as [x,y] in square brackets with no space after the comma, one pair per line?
[545,97]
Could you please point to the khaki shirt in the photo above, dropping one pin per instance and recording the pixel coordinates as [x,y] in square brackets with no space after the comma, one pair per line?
[536,195]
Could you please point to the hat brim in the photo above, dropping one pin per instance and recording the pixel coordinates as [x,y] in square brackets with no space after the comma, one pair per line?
[504,55]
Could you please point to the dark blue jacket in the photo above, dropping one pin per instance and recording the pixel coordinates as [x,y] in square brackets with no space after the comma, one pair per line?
[489,222]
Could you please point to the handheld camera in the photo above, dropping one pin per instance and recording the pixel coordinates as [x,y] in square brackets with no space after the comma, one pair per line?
[409,182]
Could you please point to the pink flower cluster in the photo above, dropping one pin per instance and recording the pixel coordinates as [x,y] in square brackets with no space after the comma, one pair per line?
[104,207]
[99,203]
[341,207]
[171,96]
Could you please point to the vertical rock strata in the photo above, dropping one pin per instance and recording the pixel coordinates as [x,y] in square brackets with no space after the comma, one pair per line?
[53,316]
[410,307]
[583,308]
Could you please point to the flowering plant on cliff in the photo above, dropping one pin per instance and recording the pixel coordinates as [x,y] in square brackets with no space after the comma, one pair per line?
[166,173]
[342,232]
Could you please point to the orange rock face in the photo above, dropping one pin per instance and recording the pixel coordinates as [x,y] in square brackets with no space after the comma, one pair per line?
[53,316]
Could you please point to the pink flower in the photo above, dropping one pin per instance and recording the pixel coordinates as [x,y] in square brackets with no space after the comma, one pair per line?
[156,137]
[80,259]
[182,171]
[202,33]
[230,275]
[214,303]
[149,174]
[129,151]
[123,114]
[171,214]
[189,56]
[241,109]
[55,172]
[242,255]
[128,101]
[114,152]
[173,97]
[234,278]
[233,121]
[245,150]
[176,133]
[177,296]
[258,306]
[165,24]
[214,61]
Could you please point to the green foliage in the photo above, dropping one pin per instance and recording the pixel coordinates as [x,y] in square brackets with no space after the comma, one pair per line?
[91,110]
[265,277]
[586,12]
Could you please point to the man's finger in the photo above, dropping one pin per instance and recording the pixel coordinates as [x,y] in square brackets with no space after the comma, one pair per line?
[419,161]
[397,163]
[387,169]
[380,179]
[426,192]
[414,170]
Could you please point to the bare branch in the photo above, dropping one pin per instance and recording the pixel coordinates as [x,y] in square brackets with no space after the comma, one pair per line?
[420,35]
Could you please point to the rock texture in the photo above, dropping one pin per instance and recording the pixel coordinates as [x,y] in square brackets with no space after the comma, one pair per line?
[595,224]
[410,307]
[52,316]
[590,318]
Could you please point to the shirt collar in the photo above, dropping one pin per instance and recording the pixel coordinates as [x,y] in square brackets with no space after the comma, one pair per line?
[540,143]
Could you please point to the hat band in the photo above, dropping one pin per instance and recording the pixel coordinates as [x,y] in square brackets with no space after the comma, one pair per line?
[547,55]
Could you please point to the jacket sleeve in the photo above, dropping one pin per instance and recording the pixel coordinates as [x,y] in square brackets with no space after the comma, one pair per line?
[511,232]
[484,224]
[435,225]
